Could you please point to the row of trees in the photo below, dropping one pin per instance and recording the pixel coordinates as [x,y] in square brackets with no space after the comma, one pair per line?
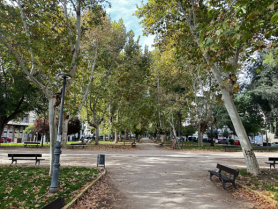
[117,86]
[40,39]
[209,40]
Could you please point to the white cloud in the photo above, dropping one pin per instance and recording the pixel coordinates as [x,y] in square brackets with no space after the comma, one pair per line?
[123,9]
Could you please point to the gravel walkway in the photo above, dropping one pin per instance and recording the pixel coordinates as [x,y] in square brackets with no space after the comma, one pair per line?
[150,176]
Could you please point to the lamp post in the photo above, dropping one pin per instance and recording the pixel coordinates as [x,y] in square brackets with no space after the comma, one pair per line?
[54,187]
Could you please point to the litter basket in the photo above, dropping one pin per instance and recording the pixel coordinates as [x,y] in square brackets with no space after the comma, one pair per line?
[101,160]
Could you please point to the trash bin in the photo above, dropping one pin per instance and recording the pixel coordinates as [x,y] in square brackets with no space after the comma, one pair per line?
[101,160]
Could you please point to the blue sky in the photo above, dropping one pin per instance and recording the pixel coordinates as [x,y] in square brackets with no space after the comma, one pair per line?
[124,9]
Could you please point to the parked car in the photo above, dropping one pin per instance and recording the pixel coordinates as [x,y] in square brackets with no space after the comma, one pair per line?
[274,144]
[223,141]
[237,142]
[5,139]
[192,138]
[206,140]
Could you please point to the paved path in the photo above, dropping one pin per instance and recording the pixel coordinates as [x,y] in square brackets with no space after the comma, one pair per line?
[150,176]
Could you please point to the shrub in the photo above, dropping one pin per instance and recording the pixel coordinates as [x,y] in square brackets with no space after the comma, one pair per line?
[232,142]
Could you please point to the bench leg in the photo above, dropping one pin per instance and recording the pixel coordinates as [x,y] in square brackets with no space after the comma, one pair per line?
[211,176]
[224,185]
[234,185]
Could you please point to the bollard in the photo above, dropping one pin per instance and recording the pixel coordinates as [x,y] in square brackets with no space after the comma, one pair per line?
[101,160]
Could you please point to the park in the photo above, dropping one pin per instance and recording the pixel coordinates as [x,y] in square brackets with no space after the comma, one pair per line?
[126,104]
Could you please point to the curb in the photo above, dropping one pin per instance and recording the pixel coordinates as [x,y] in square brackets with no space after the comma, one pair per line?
[258,193]
[84,190]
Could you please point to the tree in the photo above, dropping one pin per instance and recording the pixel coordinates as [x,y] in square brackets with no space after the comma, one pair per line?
[263,84]
[226,133]
[220,31]
[18,96]
[41,125]
[74,126]
[188,130]
[29,129]
[43,47]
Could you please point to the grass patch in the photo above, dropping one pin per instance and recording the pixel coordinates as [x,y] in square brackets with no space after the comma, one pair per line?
[194,146]
[22,187]
[266,182]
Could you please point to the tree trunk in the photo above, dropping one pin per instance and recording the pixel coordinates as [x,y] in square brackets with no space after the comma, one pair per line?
[249,155]
[97,134]
[171,134]
[200,136]
[163,138]
[65,131]
[211,135]
[126,133]
[104,137]
[116,137]
[52,131]
[2,124]
[120,136]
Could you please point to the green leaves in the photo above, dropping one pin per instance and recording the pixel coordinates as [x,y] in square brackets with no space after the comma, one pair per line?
[274,18]
[268,59]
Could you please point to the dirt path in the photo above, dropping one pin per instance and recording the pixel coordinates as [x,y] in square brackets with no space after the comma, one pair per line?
[165,182]
[150,176]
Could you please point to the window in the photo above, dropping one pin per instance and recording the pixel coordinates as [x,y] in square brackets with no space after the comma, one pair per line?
[10,134]
[31,119]
[25,119]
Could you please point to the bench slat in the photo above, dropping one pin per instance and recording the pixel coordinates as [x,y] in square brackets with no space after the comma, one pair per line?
[24,155]
[273,159]
[25,159]
[229,170]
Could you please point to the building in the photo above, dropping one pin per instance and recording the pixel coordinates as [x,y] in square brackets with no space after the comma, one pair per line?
[15,128]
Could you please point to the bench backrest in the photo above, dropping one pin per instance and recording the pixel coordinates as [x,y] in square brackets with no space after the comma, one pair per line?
[55,204]
[228,170]
[24,155]
[273,159]
[31,142]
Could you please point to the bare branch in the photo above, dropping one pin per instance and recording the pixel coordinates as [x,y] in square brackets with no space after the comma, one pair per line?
[28,35]
[90,80]
[193,13]
[30,76]
[68,25]
[73,5]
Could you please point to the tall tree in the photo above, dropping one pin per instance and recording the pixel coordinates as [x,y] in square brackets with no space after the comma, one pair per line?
[220,31]
[43,47]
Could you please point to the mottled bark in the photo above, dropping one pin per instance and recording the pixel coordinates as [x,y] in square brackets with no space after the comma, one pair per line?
[52,130]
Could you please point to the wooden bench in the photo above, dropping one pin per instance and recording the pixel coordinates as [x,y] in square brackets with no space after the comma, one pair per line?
[230,148]
[225,178]
[79,144]
[16,157]
[55,204]
[275,161]
[263,148]
[31,143]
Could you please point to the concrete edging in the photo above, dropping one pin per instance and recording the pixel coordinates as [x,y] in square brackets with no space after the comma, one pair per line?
[258,193]
[84,190]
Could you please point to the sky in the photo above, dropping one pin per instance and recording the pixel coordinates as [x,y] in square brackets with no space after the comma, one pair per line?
[124,9]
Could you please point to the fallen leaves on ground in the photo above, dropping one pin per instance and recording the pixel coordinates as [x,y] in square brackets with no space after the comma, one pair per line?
[241,193]
[98,196]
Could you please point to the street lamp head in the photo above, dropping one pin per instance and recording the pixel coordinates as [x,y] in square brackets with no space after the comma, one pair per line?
[62,76]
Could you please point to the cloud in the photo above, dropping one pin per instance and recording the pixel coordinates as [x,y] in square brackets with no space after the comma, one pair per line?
[124,9]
